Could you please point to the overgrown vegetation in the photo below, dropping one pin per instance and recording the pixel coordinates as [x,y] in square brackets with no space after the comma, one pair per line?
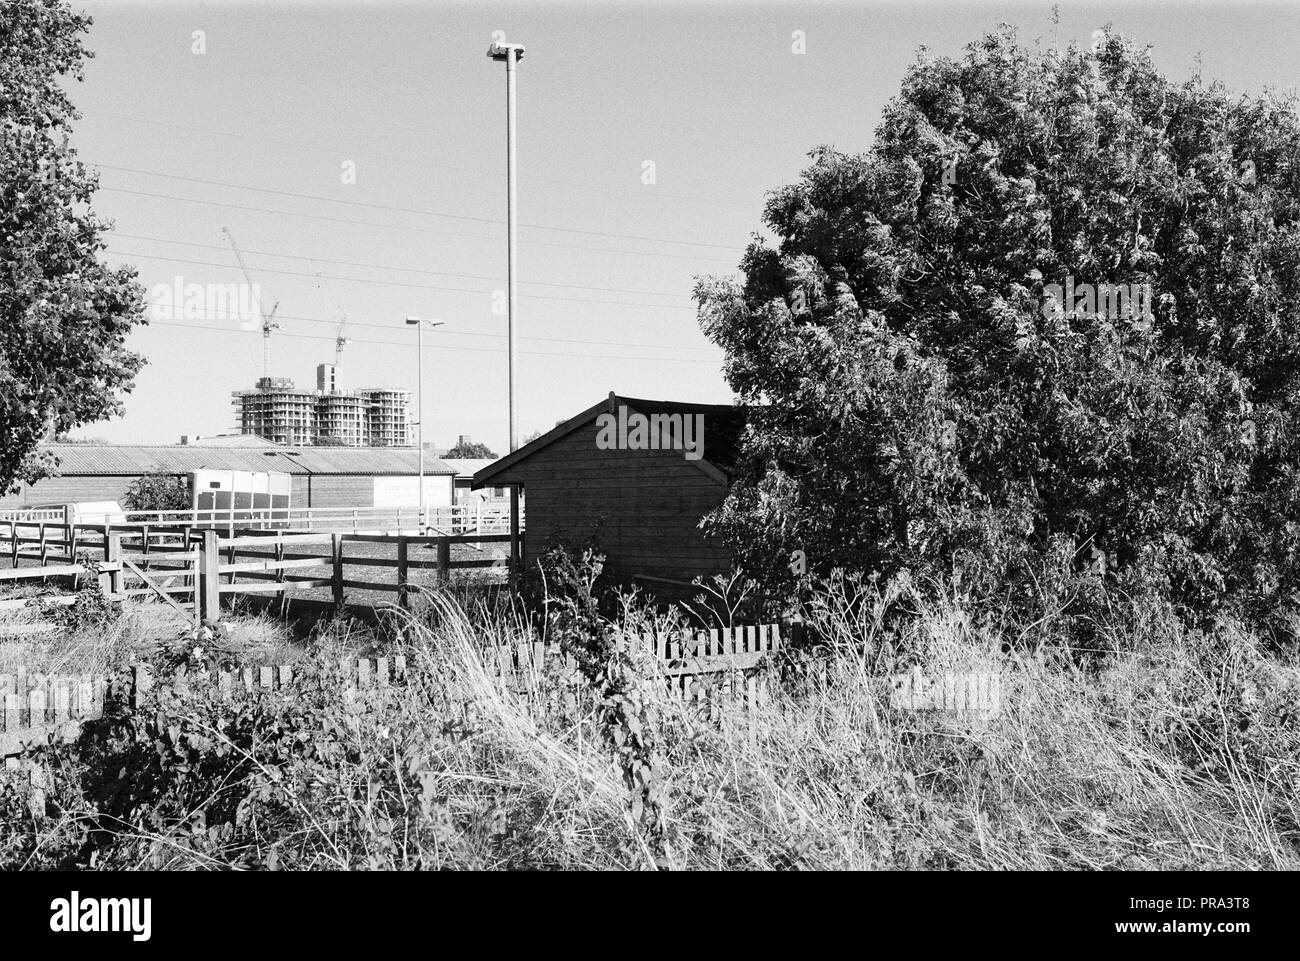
[922,398]
[1175,748]
[158,491]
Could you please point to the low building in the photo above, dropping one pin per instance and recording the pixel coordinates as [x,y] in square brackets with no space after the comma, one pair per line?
[639,495]
[466,468]
[321,476]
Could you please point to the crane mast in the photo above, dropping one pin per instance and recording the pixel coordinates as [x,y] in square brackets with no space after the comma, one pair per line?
[267,317]
[341,340]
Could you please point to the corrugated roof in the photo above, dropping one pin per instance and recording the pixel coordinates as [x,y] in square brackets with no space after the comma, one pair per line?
[131,459]
[467,466]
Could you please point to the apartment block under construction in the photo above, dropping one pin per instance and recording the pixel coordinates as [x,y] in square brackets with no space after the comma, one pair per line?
[371,417]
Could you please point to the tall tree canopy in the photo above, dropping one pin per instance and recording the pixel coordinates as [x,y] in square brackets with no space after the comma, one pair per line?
[923,399]
[470,451]
[64,316]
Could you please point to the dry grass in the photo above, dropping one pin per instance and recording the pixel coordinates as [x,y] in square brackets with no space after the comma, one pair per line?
[1177,750]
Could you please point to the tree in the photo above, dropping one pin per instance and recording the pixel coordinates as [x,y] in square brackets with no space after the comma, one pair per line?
[64,316]
[470,451]
[158,491]
[926,395]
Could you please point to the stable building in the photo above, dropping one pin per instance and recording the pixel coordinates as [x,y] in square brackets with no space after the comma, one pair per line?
[319,476]
[636,477]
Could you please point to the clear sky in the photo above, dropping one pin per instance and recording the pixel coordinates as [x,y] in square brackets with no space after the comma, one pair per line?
[254,134]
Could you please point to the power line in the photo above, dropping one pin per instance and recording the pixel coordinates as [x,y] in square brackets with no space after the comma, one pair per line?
[413,210]
[475,171]
[407,270]
[456,333]
[481,350]
[420,230]
[393,283]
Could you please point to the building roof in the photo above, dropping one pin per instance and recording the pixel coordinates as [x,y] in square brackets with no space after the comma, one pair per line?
[723,425]
[231,440]
[467,466]
[133,459]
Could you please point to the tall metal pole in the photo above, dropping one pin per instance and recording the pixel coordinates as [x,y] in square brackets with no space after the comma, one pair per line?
[512,215]
[418,323]
[512,233]
[419,392]
[511,54]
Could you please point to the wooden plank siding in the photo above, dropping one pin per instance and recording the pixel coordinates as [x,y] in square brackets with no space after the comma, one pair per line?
[642,506]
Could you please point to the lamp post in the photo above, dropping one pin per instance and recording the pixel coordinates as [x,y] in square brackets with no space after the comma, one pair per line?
[419,324]
[510,54]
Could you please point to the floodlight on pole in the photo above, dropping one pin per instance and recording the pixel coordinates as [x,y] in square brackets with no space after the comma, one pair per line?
[419,324]
[511,53]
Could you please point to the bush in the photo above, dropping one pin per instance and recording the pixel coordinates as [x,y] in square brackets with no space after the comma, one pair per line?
[924,400]
[158,491]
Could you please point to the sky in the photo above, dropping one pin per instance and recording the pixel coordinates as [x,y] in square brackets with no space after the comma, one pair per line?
[365,141]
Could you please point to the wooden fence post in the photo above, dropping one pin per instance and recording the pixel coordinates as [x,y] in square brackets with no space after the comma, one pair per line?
[282,597]
[336,545]
[209,578]
[515,546]
[444,560]
[113,552]
[403,597]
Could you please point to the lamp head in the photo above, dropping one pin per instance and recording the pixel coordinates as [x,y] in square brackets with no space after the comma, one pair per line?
[501,51]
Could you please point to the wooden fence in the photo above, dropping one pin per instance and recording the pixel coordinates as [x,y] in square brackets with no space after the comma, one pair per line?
[193,569]
[477,517]
[698,666]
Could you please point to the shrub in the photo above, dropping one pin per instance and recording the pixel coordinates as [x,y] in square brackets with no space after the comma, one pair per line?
[922,401]
[158,491]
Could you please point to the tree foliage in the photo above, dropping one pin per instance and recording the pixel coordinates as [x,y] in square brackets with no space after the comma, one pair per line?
[470,451]
[921,405]
[158,491]
[64,316]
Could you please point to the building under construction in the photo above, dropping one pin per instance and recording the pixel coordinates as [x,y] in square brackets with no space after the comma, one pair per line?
[277,411]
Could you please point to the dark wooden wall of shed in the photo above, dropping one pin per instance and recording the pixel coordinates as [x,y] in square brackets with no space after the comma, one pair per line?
[643,506]
[67,490]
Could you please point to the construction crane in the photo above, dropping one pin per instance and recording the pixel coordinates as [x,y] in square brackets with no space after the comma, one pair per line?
[267,317]
[340,340]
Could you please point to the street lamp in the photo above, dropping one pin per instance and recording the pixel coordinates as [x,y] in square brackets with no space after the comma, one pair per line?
[419,324]
[510,54]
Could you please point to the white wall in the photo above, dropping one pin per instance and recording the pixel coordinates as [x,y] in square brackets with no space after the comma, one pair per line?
[405,491]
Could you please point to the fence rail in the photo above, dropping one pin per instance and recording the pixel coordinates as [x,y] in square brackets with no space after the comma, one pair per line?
[698,666]
[443,519]
[192,569]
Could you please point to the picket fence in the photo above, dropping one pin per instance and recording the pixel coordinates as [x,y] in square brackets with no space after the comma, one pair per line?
[697,665]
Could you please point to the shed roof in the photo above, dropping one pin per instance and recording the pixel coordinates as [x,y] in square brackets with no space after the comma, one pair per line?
[467,466]
[723,426]
[133,459]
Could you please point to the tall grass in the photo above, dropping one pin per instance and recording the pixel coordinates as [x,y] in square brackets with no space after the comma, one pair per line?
[1170,750]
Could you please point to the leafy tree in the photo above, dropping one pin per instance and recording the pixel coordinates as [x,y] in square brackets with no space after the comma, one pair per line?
[158,491]
[470,451]
[64,316]
[923,401]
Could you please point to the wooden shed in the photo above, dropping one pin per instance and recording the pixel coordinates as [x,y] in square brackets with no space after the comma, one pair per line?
[639,496]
